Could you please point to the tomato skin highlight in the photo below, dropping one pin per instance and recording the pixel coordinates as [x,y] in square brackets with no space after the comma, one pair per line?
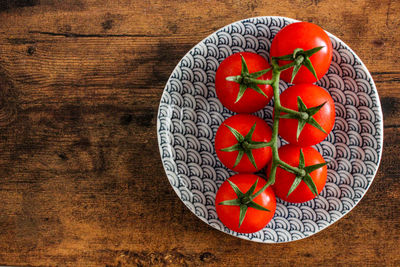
[284,179]
[243,123]
[303,35]
[227,91]
[254,220]
[312,95]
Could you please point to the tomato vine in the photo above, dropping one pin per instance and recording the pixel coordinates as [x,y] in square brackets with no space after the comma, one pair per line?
[304,114]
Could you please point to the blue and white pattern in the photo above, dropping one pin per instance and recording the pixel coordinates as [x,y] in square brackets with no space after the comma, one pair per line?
[190,113]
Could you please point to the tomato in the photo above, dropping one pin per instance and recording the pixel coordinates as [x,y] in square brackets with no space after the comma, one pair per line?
[312,96]
[249,154]
[284,179]
[227,91]
[303,35]
[255,219]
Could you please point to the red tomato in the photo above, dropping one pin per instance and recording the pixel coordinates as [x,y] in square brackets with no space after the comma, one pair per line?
[312,96]
[254,219]
[227,91]
[284,179]
[303,35]
[243,123]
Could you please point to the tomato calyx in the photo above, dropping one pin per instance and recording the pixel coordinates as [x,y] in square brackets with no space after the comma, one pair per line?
[299,58]
[304,116]
[304,175]
[244,145]
[248,80]
[245,200]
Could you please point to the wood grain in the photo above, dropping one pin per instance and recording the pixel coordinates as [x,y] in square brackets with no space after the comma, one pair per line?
[81,181]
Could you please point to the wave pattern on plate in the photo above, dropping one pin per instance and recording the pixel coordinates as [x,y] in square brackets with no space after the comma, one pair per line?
[189,116]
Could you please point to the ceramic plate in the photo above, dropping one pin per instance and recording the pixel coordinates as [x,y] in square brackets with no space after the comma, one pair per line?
[190,114]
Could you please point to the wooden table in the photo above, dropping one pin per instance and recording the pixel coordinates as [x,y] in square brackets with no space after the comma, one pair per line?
[81,181]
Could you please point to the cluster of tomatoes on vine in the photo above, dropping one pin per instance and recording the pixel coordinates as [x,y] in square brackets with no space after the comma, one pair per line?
[303,115]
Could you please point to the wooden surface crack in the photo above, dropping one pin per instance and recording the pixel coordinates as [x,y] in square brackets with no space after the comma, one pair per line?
[80,35]
[392,126]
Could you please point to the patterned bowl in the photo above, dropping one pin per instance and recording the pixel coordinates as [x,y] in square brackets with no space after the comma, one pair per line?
[190,113]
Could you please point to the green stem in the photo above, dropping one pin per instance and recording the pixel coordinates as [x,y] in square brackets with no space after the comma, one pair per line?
[276,161]
[272,173]
[288,110]
[256,81]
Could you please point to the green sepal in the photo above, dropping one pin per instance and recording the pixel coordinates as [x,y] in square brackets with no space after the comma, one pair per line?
[307,63]
[257,89]
[250,133]
[248,80]
[312,111]
[251,190]
[235,147]
[301,159]
[251,158]
[307,178]
[239,137]
[232,202]
[244,200]
[285,57]
[244,148]
[256,206]
[295,184]
[245,69]
[300,58]
[259,191]
[236,189]
[300,127]
[300,104]
[314,123]
[312,51]
[312,168]
[306,59]
[299,51]
[238,158]
[258,74]
[310,183]
[296,69]
[242,90]
[243,210]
